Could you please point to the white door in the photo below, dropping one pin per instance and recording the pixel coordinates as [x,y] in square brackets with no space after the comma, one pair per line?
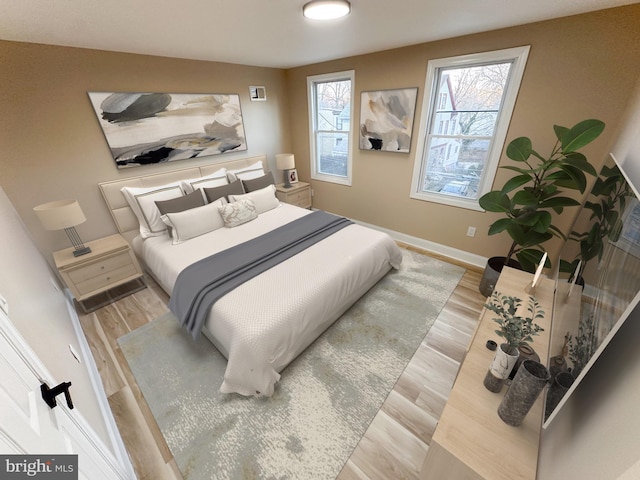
[29,426]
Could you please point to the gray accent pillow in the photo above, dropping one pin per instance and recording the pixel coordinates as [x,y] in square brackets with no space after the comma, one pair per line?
[258,183]
[180,204]
[214,193]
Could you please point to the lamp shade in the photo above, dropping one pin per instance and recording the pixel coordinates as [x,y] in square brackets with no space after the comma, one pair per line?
[285,161]
[60,214]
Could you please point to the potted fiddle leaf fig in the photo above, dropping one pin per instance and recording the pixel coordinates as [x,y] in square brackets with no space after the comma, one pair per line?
[529,199]
[517,328]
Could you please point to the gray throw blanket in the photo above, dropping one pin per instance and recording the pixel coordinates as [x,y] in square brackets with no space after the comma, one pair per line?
[202,283]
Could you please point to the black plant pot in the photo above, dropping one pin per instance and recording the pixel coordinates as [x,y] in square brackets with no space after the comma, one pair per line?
[531,378]
[492,272]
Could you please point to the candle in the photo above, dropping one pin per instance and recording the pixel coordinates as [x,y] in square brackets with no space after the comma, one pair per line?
[536,277]
[575,277]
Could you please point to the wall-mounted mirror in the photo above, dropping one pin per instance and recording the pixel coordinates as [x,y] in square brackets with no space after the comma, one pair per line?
[598,284]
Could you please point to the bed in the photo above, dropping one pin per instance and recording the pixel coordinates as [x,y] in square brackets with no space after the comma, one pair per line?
[267,321]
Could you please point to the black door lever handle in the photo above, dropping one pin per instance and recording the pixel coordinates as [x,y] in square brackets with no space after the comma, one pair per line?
[49,394]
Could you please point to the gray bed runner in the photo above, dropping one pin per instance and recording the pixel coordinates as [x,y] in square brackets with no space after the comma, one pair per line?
[201,284]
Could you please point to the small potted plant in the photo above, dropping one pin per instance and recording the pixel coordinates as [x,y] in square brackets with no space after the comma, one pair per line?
[517,328]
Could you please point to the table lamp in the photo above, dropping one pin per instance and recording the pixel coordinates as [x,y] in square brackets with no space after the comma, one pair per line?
[285,161]
[64,215]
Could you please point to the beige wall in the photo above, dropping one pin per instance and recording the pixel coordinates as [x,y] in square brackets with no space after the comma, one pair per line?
[579,67]
[52,144]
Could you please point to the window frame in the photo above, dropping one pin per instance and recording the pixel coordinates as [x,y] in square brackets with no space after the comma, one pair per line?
[518,56]
[312,80]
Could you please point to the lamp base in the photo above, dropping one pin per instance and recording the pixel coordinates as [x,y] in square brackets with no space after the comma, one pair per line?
[287,182]
[81,251]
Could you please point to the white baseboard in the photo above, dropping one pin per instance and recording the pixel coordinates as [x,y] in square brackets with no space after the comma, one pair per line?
[449,252]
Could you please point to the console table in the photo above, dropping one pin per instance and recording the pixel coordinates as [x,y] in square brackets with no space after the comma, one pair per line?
[471,442]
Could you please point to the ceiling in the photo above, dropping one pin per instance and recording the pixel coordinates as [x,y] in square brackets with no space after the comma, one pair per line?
[270,33]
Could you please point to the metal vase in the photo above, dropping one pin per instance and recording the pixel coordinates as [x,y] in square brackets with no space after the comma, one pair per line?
[530,380]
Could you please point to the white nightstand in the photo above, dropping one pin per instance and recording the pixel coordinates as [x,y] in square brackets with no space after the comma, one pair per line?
[110,264]
[298,194]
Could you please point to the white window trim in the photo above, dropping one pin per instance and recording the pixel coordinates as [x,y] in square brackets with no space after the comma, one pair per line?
[311,80]
[519,57]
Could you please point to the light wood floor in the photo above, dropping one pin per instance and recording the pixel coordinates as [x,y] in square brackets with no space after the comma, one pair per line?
[396,442]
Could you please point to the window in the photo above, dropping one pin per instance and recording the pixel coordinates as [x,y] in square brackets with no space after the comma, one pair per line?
[330,107]
[467,107]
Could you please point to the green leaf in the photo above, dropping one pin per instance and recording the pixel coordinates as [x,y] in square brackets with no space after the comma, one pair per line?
[519,149]
[560,131]
[569,177]
[568,267]
[529,259]
[526,198]
[499,226]
[559,202]
[543,222]
[515,182]
[495,201]
[528,219]
[579,161]
[581,134]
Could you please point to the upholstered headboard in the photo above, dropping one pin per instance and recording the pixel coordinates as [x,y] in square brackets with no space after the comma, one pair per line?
[124,218]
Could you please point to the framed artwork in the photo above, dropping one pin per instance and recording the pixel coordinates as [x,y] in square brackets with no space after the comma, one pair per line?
[386,119]
[293,176]
[148,128]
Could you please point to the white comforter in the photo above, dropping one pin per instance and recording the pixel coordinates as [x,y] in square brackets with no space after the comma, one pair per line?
[262,325]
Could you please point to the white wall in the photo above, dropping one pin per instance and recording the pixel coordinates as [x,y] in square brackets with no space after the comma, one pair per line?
[596,434]
[38,309]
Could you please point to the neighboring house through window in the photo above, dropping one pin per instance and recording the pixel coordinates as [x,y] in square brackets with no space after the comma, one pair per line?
[330,107]
[467,107]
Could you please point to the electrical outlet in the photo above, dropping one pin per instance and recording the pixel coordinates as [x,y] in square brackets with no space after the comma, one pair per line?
[471,231]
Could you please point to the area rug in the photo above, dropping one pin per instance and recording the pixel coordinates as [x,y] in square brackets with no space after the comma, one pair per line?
[324,401]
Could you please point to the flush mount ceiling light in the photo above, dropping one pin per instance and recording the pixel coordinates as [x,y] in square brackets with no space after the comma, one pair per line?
[326,9]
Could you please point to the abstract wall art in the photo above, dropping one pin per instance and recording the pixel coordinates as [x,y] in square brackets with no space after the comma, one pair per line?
[386,119]
[148,128]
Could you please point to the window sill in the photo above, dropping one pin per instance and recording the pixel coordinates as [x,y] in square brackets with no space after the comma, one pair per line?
[451,200]
[332,179]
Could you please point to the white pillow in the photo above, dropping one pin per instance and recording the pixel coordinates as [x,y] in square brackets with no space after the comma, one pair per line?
[247,173]
[237,213]
[264,199]
[216,179]
[143,203]
[195,221]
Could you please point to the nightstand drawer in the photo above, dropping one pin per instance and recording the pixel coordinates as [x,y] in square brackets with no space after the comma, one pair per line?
[101,281]
[299,198]
[100,268]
